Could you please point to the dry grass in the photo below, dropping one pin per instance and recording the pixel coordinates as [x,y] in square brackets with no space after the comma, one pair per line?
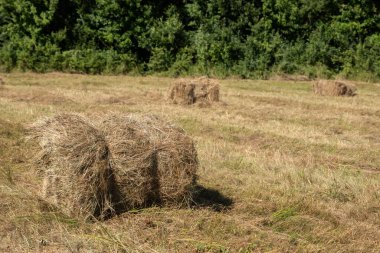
[74,161]
[286,77]
[302,171]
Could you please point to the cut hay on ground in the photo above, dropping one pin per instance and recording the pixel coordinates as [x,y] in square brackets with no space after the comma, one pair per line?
[333,88]
[125,161]
[189,91]
[287,77]
[74,160]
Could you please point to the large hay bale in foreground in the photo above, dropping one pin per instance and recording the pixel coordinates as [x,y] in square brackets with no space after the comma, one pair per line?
[132,161]
[190,91]
[153,161]
[75,163]
[176,160]
[333,88]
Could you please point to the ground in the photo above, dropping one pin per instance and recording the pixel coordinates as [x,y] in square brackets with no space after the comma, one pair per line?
[283,170]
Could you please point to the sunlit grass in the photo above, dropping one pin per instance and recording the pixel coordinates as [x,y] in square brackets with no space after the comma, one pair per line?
[303,171]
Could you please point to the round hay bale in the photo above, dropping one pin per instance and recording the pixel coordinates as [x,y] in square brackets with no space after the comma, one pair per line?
[132,159]
[333,88]
[75,163]
[177,161]
[153,161]
[190,91]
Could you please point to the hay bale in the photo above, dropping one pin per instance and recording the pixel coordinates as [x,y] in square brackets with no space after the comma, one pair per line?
[154,162]
[182,93]
[190,91]
[176,160]
[74,160]
[133,161]
[333,88]
[206,90]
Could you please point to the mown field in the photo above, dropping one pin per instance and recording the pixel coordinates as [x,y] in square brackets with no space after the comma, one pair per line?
[283,170]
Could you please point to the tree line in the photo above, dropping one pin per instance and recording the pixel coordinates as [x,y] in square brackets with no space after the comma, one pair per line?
[250,39]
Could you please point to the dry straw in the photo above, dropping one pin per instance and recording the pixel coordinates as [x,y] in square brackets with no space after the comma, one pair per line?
[189,91]
[74,160]
[125,161]
[333,88]
[153,161]
[286,77]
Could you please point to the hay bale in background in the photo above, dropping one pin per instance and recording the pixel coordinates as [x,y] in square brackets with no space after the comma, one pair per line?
[153,161]
[206,90]
[182,92]
[333,88]
[75,163]
[190,91]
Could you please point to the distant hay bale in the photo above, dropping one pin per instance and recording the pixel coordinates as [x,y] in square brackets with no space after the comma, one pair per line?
[75,163]
[190,91]
[333,88]
[206,90]
[153,161]
[124,161]
[182,92]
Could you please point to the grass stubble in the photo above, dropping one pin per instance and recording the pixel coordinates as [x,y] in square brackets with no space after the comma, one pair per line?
[302,171]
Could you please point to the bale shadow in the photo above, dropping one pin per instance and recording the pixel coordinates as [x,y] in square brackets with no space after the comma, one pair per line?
[210,198]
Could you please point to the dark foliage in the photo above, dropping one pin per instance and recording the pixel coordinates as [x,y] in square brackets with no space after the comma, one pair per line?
[219,37]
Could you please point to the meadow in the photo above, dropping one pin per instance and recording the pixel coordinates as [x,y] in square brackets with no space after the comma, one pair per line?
[281,169]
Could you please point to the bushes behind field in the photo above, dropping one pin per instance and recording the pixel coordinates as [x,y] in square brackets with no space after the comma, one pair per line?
[245,38]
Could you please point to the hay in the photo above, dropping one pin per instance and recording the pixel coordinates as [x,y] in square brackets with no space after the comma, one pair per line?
[132,159]
[190,91]
[154,162]
[333,88]
[74,160]
[182,92]
[131,162]
[287,77]
[176,160]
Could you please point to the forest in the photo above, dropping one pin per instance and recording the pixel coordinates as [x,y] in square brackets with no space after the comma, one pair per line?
[247,39]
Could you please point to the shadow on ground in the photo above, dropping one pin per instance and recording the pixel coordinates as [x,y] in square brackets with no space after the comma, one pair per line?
[206,197]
